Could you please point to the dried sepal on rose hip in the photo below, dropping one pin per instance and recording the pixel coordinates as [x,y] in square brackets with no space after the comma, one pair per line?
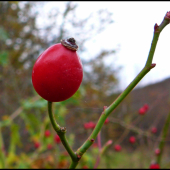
[58,72]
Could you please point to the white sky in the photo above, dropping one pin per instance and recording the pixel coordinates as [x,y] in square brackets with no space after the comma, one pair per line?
[132,33]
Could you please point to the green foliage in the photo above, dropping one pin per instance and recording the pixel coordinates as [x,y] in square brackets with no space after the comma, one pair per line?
[40,104]
[15,137]
[3,58]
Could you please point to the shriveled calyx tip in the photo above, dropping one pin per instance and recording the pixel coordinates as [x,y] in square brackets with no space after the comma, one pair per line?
[70,43]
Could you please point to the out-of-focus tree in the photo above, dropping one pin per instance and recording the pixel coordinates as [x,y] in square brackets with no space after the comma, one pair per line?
[19,44]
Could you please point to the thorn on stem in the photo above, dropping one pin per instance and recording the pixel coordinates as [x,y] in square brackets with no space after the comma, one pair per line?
[153,65]
[79,157]
[156,27]
[104,108]
[92,140]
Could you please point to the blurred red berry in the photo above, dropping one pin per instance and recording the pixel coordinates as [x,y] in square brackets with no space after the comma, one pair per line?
[47,133]
[154,166]
[57,139]
[106,121]
[157,151]
[117,148]
[49,146]
[146,107]
[37,145]
[132,139]
[89,125]
[142,111]
[154,130]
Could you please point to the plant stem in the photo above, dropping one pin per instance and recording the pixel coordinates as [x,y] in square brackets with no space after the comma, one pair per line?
[2,154]
[107,111]
[99,141]
[101,152]
[100,148]
[164,135]
[50,112]
[61,133]
[144,71]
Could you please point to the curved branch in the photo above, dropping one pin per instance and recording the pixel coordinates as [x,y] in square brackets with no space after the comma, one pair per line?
[148,66]
[61,133]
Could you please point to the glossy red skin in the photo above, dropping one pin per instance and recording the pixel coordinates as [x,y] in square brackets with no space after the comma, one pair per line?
[57,73]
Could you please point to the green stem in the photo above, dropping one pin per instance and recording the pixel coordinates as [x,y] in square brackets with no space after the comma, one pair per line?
[2,154]
[155,40]
[106,112]
[164,135]
[50,112]
[61,133]
[73,165]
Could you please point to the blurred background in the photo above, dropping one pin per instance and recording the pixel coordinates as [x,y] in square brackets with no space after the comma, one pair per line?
[114,40]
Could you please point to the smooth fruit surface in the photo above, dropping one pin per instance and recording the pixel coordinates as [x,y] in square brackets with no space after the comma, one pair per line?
[57,73]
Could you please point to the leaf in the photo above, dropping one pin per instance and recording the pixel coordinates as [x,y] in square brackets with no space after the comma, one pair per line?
[37,104]
[3,58]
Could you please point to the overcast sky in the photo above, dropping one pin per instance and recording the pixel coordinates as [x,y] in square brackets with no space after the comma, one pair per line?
[132,33]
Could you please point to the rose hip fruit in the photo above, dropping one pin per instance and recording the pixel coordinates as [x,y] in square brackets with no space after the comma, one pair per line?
[49,146]
[117,148]
[142,111]
[37,145]
[89,125]
[47,133]
[154,166]
[106,121]
[132,139]
[154,130]
[157,151]
[58,72]
[57,139]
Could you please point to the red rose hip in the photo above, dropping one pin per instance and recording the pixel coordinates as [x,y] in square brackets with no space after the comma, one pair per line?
[47,133]
[154,166]
[132,139]
[117,148]
[154,130]
[58,72]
